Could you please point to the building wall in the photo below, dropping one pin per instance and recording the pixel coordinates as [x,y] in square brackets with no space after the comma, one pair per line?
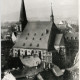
[45,56]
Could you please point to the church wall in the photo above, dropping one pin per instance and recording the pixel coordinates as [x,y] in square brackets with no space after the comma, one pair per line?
[45,56]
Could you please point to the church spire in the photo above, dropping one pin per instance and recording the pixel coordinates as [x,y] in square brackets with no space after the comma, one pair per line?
[52,16]
[23,18]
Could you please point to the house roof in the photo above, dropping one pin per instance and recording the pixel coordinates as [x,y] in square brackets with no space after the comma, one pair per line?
[72,35]
[59,40]
[35,35]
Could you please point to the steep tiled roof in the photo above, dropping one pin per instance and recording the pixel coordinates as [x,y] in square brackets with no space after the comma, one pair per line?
[35,35]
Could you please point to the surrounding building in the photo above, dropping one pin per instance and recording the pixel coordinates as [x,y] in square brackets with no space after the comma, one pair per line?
[72,46]
[65,27]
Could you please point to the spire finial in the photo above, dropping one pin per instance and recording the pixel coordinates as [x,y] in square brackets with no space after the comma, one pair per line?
[52,17]
[23,18]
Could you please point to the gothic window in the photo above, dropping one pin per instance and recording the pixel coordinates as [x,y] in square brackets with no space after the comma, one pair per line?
[61,51]
[26,53]
[22,50]
[40,54]
[32,52]
[18,53]
[35,51]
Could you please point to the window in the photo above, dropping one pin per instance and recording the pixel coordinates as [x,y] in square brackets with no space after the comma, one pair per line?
[28,34]
[23,44]
[31,44]
[35,51]
[71,38]
[34,34]
[33,38]
[47,31]
[26,38]
[37,45]
[40,38]
[42,34]
[75,38]
[67,38]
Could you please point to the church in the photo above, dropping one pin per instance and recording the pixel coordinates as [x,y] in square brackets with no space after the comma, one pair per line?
[37,37]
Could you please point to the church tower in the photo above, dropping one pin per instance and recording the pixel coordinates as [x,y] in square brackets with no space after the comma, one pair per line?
[23,19]
[52,16]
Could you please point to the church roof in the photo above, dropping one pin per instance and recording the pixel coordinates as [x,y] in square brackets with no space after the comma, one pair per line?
[23,12]
[35,35]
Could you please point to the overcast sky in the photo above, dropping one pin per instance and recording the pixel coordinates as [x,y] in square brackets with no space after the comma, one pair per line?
[40,9]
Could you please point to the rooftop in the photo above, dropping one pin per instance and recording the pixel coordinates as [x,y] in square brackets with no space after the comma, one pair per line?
[35,35]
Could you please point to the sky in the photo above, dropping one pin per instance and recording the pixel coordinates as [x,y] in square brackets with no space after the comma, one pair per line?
[40,10]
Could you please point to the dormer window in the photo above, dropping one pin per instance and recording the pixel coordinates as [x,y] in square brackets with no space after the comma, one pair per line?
[34,34]
[33,38]
[42,34]
[40,38]
[23,44]
[28,34]
[47,31]
[37,45]
[26,38]
[31,44]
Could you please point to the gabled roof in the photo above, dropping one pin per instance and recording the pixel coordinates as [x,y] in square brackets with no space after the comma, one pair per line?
[59,40]
[72,35]
[35,35]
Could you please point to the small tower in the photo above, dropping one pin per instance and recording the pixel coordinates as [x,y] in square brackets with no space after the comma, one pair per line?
[52,16]
[23,19]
